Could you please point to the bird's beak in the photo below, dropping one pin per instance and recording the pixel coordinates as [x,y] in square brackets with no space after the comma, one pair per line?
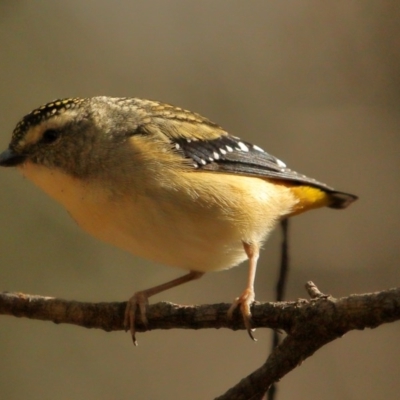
[9,158]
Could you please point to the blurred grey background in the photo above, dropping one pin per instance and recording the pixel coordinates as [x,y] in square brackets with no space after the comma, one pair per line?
[315,83]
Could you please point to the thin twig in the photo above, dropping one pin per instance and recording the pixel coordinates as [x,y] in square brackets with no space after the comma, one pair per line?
[280,290]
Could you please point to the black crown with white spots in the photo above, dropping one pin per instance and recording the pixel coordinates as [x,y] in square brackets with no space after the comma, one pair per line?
[42,113]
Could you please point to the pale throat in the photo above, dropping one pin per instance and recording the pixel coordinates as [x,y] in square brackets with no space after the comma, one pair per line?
[65,189]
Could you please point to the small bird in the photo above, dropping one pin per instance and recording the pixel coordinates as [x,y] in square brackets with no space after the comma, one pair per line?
[162,183]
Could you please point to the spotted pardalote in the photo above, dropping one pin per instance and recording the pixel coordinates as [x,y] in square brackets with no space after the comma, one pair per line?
[163,183]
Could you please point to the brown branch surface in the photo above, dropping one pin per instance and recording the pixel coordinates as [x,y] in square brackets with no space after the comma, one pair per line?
[309,324]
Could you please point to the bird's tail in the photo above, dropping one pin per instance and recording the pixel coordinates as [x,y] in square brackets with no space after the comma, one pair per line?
[340,200]
[309,197]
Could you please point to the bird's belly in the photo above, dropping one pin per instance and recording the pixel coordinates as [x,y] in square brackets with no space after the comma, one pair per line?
[153,228]
[201,229]
[164,234]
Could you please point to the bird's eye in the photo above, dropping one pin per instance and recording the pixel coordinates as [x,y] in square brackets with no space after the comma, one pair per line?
[50,135]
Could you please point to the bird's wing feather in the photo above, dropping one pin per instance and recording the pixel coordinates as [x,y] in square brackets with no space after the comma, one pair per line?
[229,154]
[210,148]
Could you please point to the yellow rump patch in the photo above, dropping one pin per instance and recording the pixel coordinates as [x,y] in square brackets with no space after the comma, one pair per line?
[308,197]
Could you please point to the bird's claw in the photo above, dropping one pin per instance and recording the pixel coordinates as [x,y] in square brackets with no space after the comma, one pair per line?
[244,301]
[138,301]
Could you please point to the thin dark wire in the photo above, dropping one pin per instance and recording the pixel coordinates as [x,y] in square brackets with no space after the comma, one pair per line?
[284,267]
[280,289]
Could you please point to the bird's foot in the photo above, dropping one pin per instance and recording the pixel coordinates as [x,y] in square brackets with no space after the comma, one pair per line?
[244,301]
[138,301]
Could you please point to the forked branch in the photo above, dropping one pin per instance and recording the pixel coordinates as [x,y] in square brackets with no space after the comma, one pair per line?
[308,324]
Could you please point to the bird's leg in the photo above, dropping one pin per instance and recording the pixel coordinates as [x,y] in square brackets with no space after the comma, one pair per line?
[140,300]
[247,297]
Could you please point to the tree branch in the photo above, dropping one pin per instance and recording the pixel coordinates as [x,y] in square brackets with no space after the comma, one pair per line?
[309,324]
